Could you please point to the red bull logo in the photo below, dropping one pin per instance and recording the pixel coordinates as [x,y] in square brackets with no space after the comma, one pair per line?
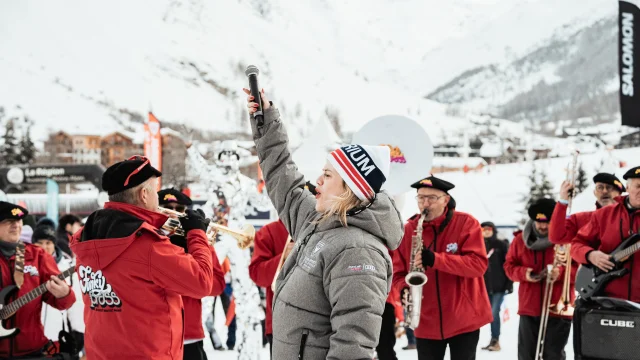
[396,154]
[170,197]
[17,212]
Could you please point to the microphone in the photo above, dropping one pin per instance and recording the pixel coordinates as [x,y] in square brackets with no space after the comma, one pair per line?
[252,73]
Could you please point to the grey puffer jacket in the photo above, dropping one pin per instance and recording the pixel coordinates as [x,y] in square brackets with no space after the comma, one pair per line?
[331,292]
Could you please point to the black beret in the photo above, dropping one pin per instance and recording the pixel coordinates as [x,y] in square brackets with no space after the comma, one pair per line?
[12,211]
[633,173]
[610,179]
[173,196]
[43,232]
[541,210]
[128,174]
[433,182]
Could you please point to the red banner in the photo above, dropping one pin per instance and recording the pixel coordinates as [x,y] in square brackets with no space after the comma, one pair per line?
[153,144]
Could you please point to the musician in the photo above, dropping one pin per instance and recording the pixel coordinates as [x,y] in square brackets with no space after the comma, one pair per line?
[455,304]
[27,267]
[132,276]
[608,227]
[331,292]
[68,225]
[268,247]
[562,228]
[495,279]
[529,254]
[193,331]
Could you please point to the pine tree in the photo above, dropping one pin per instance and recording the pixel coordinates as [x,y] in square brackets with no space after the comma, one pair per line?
[545,189]
[27,147]
[530,196]
[582,181]
[9,148]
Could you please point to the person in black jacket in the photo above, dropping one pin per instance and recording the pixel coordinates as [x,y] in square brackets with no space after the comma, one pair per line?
[497,282]
[67,226]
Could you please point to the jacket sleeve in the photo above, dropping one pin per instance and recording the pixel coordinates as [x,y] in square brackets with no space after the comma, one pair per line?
[471,259]
[562,229]
[513,264]
[285,185]
[218,276]
[401,258]
[48,268]
[508,285]
[357,299]
[587,240]
[75,314]
[266,258]
[186,274]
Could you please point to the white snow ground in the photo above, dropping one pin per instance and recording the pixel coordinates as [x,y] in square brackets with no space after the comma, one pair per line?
[508,339]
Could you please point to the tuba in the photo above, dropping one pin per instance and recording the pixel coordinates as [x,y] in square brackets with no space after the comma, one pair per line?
[416,279]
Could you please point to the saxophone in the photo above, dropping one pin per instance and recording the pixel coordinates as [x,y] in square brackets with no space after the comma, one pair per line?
[416,279]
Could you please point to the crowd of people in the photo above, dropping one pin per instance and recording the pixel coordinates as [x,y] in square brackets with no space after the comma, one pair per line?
[332,268]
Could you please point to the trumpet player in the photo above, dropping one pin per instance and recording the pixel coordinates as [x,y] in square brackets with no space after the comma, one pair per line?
[455,304]
[175,200]
[132,277]
[527,259]
[563,228]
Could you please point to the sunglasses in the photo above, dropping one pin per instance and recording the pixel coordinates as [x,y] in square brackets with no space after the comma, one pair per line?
[145,163]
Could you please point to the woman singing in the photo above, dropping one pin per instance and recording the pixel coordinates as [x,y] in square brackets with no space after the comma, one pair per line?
[331,291]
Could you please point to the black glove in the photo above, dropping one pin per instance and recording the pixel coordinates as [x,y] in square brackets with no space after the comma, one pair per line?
[428,257]
[194,220]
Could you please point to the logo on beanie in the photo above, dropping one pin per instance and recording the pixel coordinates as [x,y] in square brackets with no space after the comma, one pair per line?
[617,183]
[358,170]
[541,217]
[363,161]
[17,212]
[396,154]
[170,197]
[426,182]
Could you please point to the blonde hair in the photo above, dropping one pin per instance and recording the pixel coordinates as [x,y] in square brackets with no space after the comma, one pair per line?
[341,204]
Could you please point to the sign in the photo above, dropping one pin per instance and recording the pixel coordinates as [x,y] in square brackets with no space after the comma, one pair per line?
[52,200]
[20,175]
[153,144]
[628,15]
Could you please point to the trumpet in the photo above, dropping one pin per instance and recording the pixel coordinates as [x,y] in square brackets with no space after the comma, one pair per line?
[244,237]
[172,226]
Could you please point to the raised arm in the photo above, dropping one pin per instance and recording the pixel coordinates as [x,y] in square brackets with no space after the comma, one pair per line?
[285,185]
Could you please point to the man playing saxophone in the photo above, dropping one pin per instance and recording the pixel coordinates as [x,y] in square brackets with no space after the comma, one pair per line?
[454,304]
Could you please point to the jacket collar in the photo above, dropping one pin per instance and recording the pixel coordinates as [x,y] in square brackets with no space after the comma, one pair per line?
[153,218]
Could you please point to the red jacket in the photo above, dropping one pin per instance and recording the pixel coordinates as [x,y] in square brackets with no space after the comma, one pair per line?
[531,295]
[38,269]
[563,229]
[193,329]
[609,226]
[132,279]
[267,249]
[455,283]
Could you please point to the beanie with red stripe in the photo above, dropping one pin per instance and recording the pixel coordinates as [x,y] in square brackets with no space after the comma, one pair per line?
[363,168]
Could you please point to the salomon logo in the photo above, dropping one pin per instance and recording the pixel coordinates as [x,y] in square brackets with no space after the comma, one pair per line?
[627,54]
[618,323]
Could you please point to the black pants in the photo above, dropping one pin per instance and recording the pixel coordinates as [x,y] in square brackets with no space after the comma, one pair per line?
[270,340]
[461,347]
[554,341]
[195,351]
[387,334]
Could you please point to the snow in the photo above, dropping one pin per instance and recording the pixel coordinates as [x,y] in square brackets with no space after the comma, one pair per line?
[458,162]
[312,154]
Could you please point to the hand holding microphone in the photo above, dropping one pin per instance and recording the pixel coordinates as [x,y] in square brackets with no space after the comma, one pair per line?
[254,106]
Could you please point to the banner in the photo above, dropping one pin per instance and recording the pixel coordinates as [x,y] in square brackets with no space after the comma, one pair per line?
[52,200]
[628,15]
[153,144]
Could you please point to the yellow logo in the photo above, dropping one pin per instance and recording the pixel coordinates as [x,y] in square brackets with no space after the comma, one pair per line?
[170,197]
[17,212]
[637,171]
[396,154]
[541,217]
[618,184]
[426,182]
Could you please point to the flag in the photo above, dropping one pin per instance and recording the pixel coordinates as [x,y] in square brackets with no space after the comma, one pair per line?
[629,90]
[153,144]
[52,200]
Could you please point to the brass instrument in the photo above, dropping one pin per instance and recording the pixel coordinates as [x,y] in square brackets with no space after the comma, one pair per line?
[283,257]
[416,279]
[172,226]
[244,237]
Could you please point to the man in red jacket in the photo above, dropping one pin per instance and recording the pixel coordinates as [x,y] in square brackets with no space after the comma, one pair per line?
[563,228]
[608,227]
[527,259]
[268,247]
[27,267]
[455,304]
[132,277]
[193,330]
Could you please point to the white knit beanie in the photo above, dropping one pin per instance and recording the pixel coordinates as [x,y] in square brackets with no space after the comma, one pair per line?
[363,168]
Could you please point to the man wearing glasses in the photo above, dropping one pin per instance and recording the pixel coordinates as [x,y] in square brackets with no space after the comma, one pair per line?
[131,276]
[193,330]
[455,304]
[564,228]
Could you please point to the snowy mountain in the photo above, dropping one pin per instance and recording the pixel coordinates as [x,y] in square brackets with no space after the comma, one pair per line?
[95,68]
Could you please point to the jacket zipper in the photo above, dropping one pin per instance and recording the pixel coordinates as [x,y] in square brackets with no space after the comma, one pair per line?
[303,343]
[435,247]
